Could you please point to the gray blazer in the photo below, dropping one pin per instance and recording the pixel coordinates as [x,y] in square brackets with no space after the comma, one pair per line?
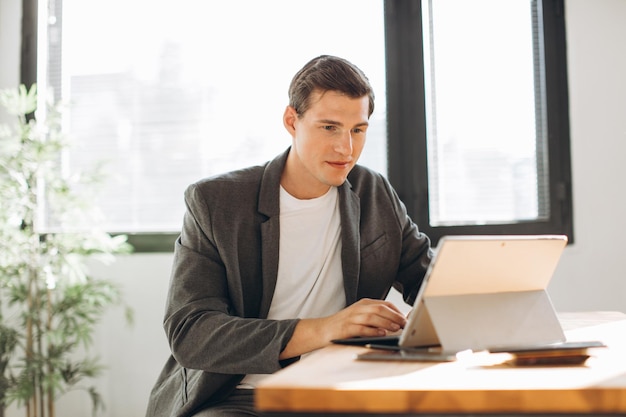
[224,274]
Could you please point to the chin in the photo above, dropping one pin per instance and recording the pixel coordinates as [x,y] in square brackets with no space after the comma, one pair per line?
[338,182]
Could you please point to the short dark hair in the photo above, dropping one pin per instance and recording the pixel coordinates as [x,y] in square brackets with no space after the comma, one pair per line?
[328,73]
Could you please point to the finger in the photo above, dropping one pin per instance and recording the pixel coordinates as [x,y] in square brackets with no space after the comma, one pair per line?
[389,304]
[379,315]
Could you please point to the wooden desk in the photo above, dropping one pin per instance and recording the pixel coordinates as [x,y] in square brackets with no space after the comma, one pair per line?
[330,381]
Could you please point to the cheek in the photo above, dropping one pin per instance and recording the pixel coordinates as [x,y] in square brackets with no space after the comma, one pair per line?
[312,143]
[357,147]
[305,141]
[307,146]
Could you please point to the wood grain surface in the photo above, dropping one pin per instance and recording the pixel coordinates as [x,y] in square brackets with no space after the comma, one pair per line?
[332,380]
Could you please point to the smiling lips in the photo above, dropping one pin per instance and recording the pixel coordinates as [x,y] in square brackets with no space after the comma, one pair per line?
[339,164]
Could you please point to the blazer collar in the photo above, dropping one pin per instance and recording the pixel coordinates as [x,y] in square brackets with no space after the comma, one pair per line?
[269,203]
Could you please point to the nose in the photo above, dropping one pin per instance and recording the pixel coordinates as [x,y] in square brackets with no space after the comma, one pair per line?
[343,144]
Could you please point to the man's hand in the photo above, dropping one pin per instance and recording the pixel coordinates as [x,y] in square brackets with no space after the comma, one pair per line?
[364,318]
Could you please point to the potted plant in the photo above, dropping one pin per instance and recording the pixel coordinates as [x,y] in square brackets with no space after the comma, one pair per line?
[49,303]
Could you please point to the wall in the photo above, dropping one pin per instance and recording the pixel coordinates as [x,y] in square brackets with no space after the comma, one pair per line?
[591,275]
[10,15]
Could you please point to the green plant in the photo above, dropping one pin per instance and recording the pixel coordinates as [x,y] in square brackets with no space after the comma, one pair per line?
[49,304]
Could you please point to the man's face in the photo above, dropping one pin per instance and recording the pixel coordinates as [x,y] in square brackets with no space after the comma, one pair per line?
[327,142]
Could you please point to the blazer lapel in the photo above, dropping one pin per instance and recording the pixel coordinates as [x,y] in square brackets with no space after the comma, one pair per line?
[350,209]
[269,205]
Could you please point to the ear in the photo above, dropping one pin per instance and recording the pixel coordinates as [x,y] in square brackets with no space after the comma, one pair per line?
[289,120]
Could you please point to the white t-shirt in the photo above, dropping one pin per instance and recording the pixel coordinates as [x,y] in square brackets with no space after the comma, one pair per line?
[310,279]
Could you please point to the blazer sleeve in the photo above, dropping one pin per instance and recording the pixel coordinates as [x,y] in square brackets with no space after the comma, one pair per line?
[203,329]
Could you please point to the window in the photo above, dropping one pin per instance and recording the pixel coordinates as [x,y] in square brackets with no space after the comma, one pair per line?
[166,93]
[478,128]
[473,133]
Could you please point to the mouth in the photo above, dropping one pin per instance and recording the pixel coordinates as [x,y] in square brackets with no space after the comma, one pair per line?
[339,164]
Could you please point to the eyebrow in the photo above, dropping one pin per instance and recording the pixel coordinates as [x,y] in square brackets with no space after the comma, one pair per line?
[335,123]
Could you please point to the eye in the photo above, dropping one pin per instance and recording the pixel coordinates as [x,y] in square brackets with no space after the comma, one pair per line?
[329,128]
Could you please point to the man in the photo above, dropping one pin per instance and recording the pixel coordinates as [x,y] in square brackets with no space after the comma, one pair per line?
[277,260]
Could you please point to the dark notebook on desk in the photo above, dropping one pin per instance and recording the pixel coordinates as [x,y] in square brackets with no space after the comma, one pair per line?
[482,292]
